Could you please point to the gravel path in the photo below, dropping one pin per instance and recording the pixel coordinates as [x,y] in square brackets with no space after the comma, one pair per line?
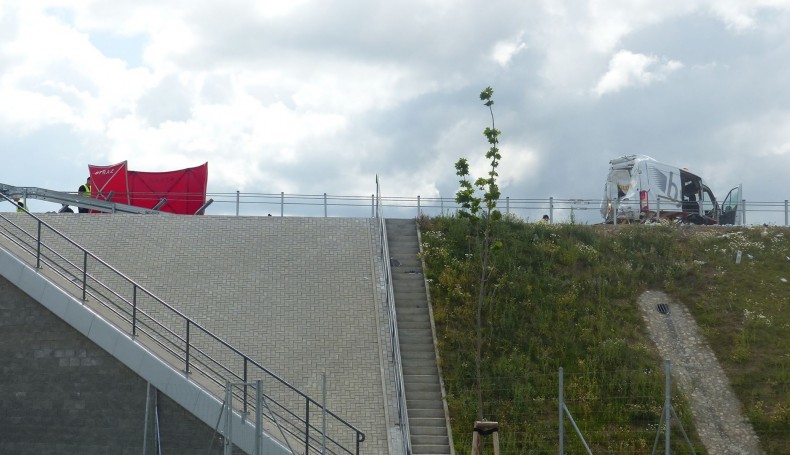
[717,412]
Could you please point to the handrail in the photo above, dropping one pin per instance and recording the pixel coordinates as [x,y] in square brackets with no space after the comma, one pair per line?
[193,348]
[400,389]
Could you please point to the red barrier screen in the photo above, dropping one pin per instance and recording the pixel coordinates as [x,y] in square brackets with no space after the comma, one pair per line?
[184,190]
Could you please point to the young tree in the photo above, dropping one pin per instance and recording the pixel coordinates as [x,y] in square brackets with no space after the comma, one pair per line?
[482,214]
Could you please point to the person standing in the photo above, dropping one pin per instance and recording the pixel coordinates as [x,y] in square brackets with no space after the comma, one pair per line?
[21,205]
[85,191]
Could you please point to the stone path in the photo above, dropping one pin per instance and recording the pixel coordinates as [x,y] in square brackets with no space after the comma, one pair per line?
[717,412]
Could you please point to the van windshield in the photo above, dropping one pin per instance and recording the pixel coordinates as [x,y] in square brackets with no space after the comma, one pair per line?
[621,179]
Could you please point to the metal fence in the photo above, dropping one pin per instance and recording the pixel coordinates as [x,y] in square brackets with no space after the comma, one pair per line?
[175,337]
[559,210]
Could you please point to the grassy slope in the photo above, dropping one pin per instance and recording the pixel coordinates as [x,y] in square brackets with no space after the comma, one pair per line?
[564,296]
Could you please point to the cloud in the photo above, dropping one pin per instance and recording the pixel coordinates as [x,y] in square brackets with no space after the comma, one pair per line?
[627,69]
[505,50]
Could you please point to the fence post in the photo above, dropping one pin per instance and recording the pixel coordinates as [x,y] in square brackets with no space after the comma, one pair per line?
[561,400]
[38,245]
[372,206]
[282,203]
[419,209]
[667,406]
[258,415]
[323,413]
[551,209]
[228,440]
[84,274]
[186,355]
[324,205]
[507,205]
[743,212]
[134,309]
[658,209]
[785,212]
[237,202]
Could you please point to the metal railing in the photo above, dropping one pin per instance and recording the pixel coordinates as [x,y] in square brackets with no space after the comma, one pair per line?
[175,337]
[578,210]
[400,390]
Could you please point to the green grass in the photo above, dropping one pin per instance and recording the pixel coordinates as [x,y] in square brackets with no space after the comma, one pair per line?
[565,296]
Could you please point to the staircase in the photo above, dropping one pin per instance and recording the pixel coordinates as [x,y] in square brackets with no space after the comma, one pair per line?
[426,410]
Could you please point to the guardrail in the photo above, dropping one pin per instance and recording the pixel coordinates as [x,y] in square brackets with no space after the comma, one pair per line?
[559,210]
[400,389]
[178,339]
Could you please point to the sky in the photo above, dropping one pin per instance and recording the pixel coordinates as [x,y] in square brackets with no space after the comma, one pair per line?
[312,97]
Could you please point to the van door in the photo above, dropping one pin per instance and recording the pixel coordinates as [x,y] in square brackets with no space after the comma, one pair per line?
[730,206]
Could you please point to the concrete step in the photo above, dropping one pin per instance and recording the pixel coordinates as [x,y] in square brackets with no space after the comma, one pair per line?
[419,370]
[428,440]
[427,413]
[417,354]
[424,397]
[424,387]
[424,379]
[414,336]
[428,427]
[407,324]
[428,449]
[424,404]
[407,286]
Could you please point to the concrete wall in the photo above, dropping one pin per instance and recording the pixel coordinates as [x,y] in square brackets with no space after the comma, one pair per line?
[62,394]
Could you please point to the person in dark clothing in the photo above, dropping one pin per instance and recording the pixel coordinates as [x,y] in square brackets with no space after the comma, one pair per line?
[85,191]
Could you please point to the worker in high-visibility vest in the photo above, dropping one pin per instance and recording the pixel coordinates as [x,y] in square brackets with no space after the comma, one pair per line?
[85,191]
[21,207]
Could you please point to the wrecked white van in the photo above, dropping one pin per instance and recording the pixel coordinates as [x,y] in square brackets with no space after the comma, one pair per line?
[639,188]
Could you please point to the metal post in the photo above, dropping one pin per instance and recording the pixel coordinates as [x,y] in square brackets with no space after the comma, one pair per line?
[743,212]
[258,415]
[145,422]
[785,212]
[667,406]
[324,205]
[187,349]
[507,205]
[237,202]
[282,203]
[658,209]
[551,209]
[562,417]
[244,403]
[134,309]
[38,245]
[228,426]
[419,210]
[372,206]
[84,274]
[323,413]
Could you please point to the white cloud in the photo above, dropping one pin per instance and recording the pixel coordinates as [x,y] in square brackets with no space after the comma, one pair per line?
[505,50]
[627,69]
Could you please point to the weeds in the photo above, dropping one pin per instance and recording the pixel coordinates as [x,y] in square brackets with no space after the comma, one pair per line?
[564,296]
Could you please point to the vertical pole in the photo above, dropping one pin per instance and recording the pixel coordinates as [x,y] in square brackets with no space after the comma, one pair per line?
[419,210]
[441,205]
[324,205]
[237,202]
[187,349]
[228,414]
[615,206]
[667,407]
[38,245]
[245,386]
[84,274]
[785,212]
[743,212]
[372,206]
[134,309]
[147,411]
[562,416]
[551,209]
[658,209]
[282,203]
[507,205]
[323,413]
[258,415]
[306,425]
